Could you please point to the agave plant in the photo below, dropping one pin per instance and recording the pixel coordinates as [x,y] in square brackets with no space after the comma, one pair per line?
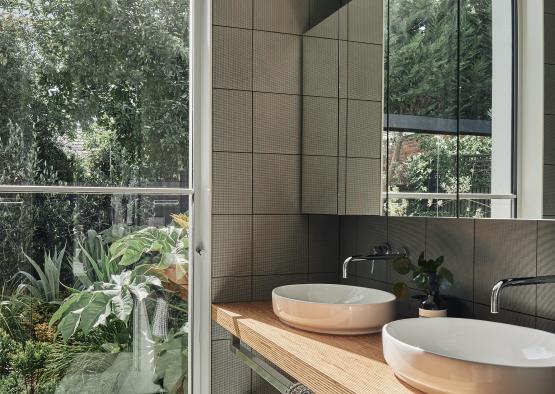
[90,308]
[14,313]
[47,286]
[92,262]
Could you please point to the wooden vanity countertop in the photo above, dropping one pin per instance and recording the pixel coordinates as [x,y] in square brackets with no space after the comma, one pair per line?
[327,364]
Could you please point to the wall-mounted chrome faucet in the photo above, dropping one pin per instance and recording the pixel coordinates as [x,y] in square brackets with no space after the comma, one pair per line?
[380,252]
[510,282]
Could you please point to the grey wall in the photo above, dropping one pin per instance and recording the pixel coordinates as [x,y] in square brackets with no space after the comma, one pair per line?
[549,125]
[343,111]
[478,252]
[260,239]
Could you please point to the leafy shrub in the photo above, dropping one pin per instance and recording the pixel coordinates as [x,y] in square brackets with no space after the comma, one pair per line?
[13,384]
[170,359]
[46,388]
[8,347]
[64,358]
[15,314]
[43,332]
[29,362]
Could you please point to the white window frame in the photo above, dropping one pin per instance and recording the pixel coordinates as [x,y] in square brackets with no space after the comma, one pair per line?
[530,127]
[200,122]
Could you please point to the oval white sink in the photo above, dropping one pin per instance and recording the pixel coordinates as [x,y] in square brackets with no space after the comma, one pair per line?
[446,355]
[333,309]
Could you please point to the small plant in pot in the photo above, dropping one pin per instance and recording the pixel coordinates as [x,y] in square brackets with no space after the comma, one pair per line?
[430,277]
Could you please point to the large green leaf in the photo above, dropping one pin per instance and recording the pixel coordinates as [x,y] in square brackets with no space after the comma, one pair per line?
[122,305]
[68,325]
[103,317]
[92,312]
[158,241]
[128,254]
[66,306]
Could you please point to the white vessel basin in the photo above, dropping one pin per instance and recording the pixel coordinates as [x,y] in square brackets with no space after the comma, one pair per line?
[445,355]
[333,309]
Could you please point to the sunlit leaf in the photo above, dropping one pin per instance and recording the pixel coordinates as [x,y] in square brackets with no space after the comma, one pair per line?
[123,305]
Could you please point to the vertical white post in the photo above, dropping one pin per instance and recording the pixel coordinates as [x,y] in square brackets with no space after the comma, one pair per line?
[501,127]
[200,168]
[531,109]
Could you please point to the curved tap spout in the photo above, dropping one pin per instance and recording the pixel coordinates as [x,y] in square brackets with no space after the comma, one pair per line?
[510,282]
[387,255]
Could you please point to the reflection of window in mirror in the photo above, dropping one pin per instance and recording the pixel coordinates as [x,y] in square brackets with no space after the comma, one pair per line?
[448,151]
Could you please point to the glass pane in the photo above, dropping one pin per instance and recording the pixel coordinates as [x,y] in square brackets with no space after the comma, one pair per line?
[482,208]
[422,164]
[421,118]
[424,207]
[94,93]
[486,105]
[95,293]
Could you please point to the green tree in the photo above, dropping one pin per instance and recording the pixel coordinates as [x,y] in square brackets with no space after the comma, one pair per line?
[92,92]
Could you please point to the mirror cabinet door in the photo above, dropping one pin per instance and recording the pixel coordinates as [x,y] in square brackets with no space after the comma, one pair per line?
[402,112]
[342,110]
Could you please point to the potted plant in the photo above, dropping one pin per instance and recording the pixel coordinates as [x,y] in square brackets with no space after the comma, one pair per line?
[430,277]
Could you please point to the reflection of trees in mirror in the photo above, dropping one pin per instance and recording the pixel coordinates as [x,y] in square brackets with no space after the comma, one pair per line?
[423,58]
[423,70]
[428,164]
[80,336]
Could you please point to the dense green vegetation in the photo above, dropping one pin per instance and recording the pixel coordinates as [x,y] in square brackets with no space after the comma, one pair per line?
[111,74]
[91,93]
[66,337]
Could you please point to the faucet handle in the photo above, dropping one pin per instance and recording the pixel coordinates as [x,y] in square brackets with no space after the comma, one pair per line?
[384,248]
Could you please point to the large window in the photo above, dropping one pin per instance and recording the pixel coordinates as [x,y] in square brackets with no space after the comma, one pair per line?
[94,196]
[449,110]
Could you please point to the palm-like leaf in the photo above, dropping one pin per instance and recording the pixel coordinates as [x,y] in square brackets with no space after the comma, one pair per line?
[47,286]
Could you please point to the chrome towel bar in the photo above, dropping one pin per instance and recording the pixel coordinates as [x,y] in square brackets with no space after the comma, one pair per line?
[271,375]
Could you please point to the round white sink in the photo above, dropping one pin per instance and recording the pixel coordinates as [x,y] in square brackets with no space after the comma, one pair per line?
[333,309]
[445,355]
